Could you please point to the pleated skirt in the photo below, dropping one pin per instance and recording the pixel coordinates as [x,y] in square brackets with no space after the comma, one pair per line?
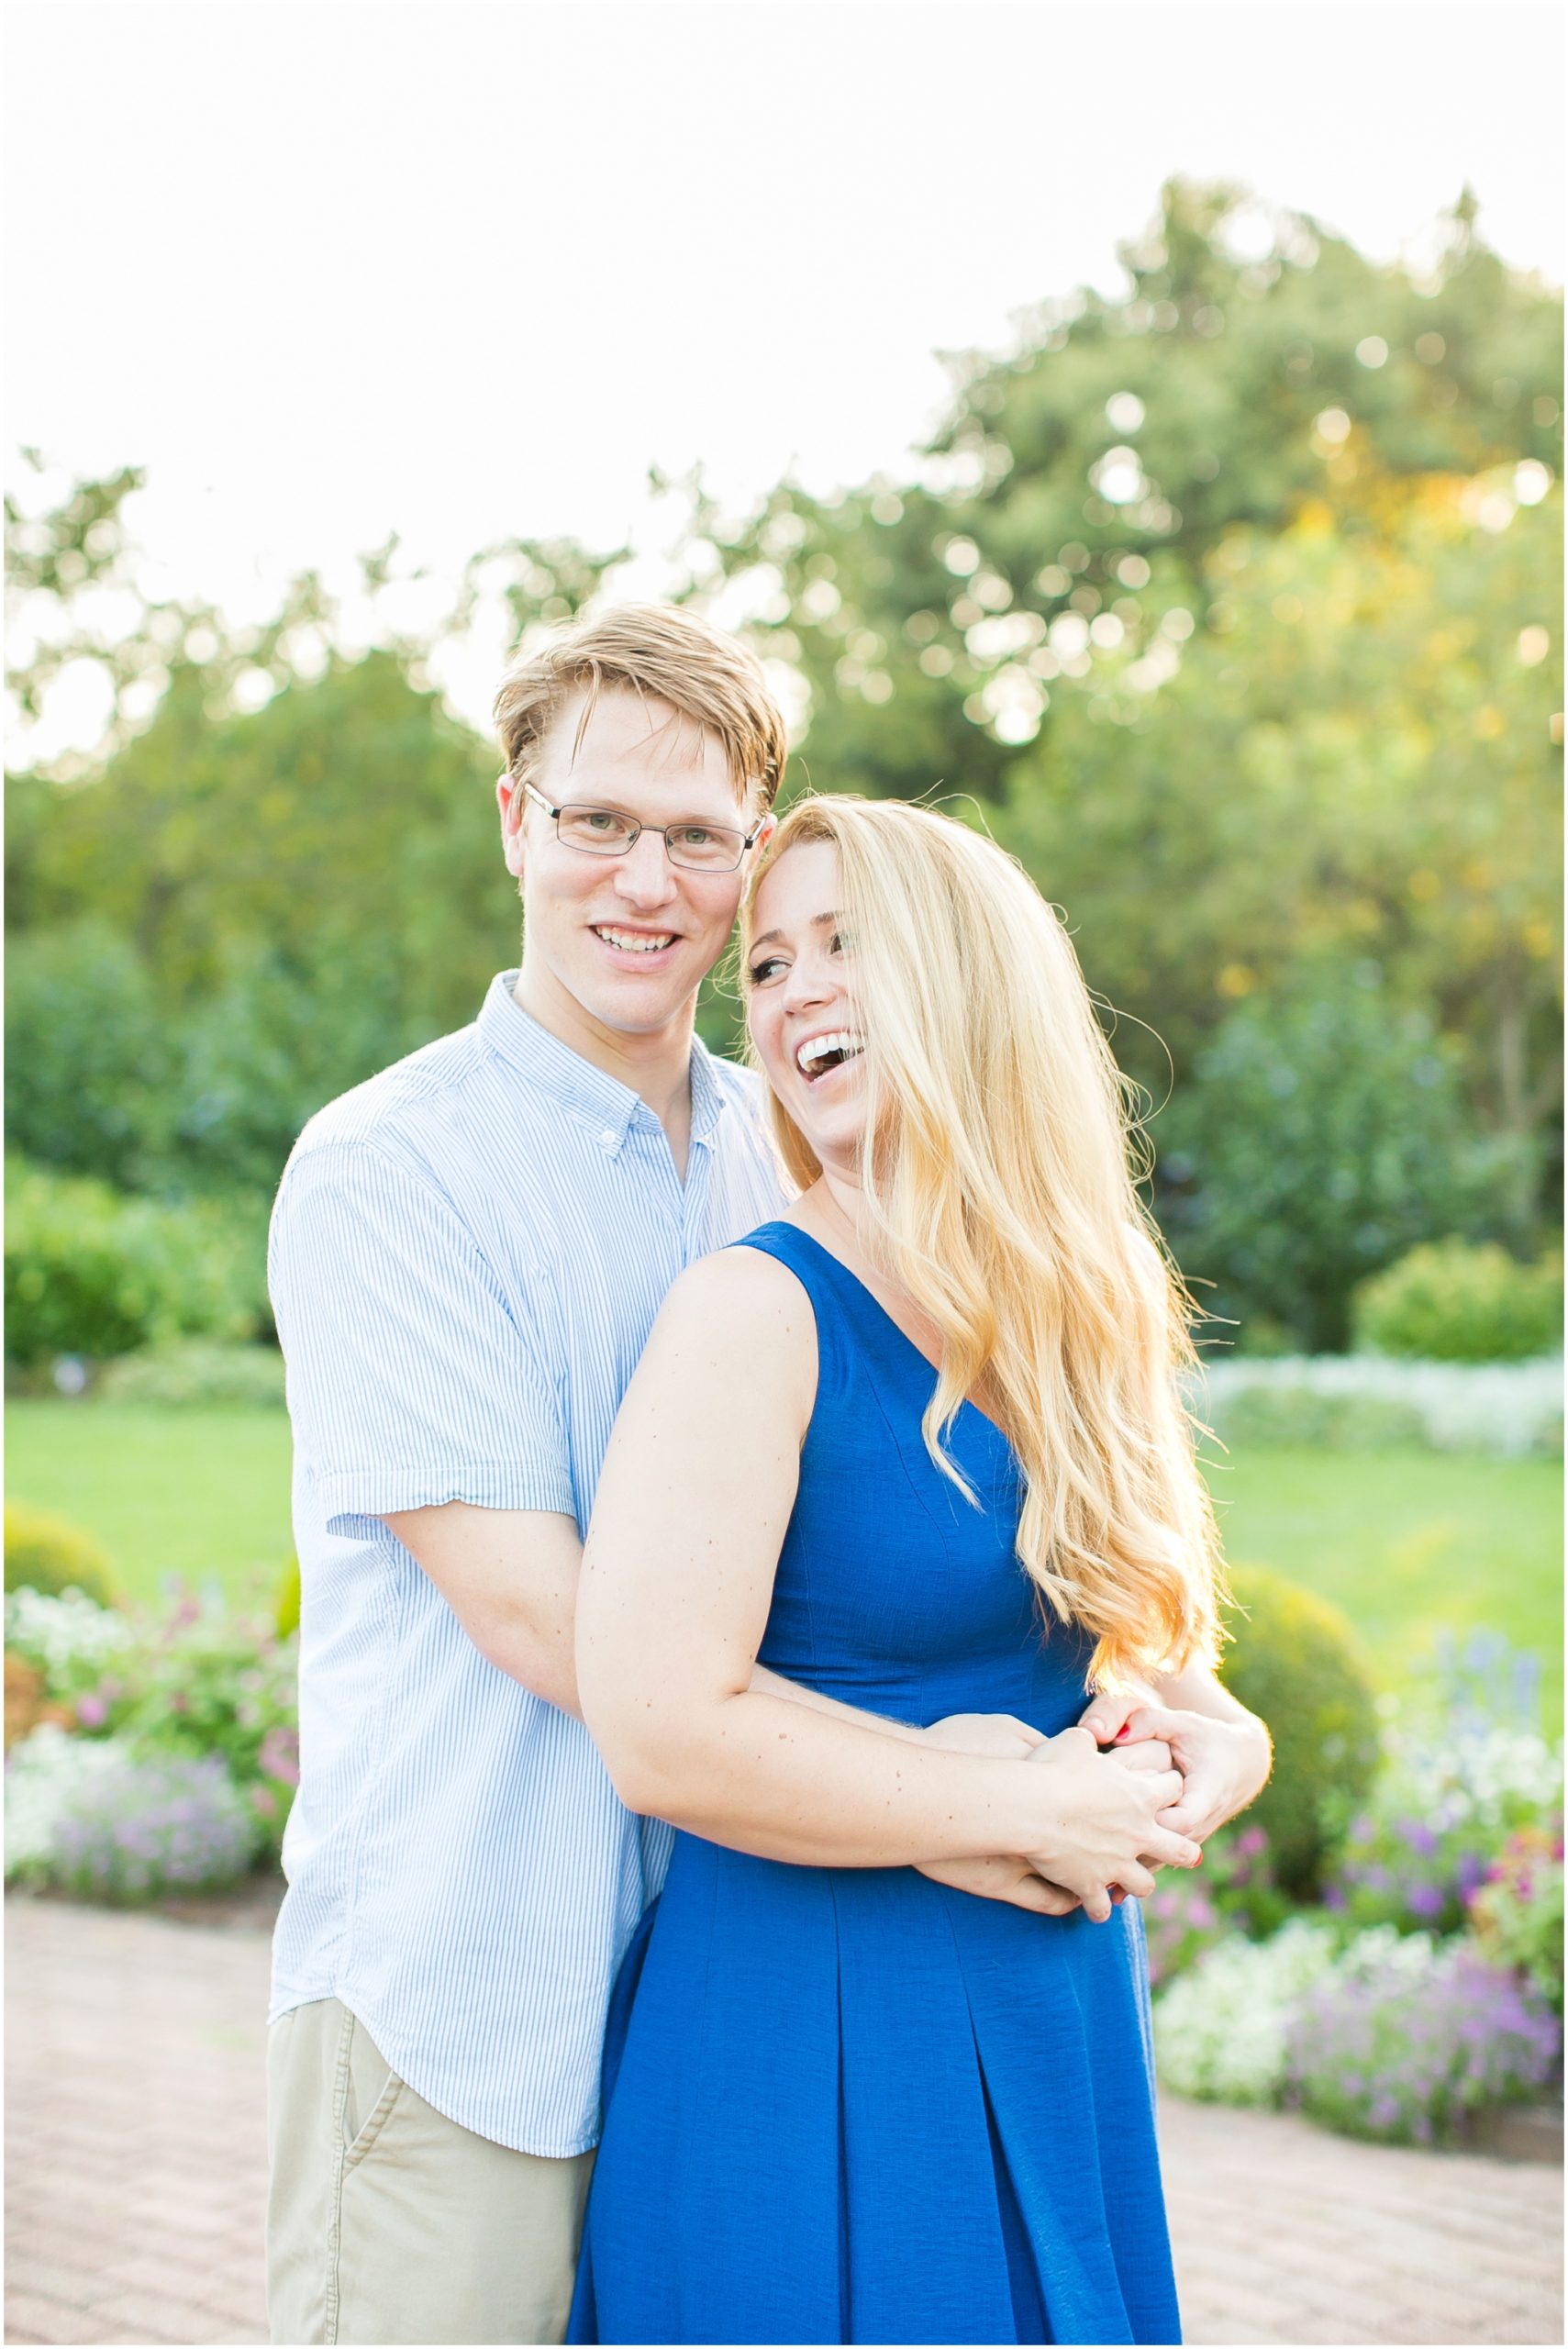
[851,2105]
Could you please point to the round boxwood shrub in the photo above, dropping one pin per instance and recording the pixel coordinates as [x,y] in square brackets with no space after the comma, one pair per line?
[1293,1661]
[1451,1302]
[48,1553]
[285,1618]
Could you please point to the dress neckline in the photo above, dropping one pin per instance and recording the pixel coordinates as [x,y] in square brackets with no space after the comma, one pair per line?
[878,1307]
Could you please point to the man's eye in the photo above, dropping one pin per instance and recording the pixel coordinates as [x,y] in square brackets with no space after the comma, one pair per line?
[599,820]
[694,835]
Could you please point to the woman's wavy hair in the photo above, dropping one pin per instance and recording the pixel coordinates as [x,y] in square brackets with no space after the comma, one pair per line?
[998,1175]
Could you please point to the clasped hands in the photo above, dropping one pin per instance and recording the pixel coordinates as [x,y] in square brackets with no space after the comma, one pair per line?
[1196,1771]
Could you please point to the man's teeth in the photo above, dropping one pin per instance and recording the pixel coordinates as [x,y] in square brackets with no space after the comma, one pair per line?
[816,1052]
[635,942]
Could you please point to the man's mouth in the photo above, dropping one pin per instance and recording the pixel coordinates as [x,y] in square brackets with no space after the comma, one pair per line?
[634,941]
[819,1054]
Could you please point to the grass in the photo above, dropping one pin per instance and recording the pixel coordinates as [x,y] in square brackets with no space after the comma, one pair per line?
[1408,1543]
[1404,1543]
[199,1493]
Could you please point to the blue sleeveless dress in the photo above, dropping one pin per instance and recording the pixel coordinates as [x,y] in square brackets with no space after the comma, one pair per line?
[850,2104]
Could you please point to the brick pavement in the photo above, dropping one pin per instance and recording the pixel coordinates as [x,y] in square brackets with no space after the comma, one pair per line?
[135,2167]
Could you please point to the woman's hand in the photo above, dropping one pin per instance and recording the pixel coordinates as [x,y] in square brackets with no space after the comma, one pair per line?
[1224,1763]
[1106,1825]
[1008,1739]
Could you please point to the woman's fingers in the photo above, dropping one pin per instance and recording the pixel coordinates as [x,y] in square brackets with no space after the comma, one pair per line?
[1137,1879]
[1149,1753]
[1172,1850]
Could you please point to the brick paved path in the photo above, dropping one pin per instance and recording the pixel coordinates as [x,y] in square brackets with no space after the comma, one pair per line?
[136,2171]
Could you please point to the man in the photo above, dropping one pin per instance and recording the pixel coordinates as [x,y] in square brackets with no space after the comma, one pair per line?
[467,1255]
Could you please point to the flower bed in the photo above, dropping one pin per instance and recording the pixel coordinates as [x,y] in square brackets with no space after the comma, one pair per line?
[155,1755]
[1427,1989]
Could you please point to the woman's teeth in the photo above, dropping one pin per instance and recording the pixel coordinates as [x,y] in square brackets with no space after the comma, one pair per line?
[819,1053]
[635,942]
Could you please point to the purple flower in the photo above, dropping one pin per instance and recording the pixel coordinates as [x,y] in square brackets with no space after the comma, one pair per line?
[92,1710]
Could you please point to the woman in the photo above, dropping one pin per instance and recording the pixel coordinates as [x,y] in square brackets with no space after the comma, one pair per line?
[918,1448]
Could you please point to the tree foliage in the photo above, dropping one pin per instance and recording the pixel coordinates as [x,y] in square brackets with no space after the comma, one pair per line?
[1231,604]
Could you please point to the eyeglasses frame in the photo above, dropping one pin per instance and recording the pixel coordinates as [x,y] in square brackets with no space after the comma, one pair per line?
[637,831]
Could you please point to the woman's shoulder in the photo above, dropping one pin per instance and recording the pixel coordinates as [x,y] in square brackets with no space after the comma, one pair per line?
[748,1289]
[745,1314]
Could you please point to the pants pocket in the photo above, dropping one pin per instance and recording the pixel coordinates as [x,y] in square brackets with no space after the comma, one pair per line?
[368,2090]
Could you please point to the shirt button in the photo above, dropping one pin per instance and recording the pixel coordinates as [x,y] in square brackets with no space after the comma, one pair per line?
[609,1138]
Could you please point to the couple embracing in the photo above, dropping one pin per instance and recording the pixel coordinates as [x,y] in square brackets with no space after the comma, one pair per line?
[759,1597]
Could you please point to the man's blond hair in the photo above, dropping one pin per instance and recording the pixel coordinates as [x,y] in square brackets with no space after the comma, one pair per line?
[658,651]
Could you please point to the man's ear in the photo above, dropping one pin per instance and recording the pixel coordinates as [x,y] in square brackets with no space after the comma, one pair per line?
[509,799]
[765,833]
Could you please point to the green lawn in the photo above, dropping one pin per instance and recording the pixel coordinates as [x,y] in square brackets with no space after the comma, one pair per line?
[1407,1541]
[199,1493]
[1403,1541]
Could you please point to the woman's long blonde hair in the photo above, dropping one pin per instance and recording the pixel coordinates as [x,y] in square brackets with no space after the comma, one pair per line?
[997,1176]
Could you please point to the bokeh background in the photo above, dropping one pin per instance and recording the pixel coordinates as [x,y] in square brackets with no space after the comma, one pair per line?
[1215,569]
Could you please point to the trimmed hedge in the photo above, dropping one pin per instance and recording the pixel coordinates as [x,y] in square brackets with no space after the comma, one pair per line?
[1293,1661]
[48,1553]
[1452,1302]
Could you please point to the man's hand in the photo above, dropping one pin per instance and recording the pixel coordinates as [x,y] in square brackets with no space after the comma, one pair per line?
[1224,1763]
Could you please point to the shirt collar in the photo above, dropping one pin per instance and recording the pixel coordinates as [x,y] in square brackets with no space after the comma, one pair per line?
[586,1092]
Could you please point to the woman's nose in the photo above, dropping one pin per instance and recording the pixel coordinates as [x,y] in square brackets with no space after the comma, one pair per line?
[809,983]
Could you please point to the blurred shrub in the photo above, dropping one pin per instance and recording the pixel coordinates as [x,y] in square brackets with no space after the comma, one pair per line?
[1448,1302]
[1293,1661]
[1323,1134]
[195,1369]
[1357,1401]
[1325,1422]
[88,1067]
[286,1617]
[91,1271]
[1403,2039]
[47,1553]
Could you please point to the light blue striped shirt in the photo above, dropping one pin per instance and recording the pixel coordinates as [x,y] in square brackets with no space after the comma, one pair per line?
[467,1256]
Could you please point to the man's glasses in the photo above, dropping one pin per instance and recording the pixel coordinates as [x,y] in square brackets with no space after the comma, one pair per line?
[604,832]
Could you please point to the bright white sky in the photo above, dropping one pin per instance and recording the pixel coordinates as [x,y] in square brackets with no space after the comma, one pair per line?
[466,271]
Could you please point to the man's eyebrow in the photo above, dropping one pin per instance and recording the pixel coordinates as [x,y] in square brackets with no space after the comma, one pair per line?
[772,937]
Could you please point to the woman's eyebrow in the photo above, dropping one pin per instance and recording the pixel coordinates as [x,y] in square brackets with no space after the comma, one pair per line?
[775,937]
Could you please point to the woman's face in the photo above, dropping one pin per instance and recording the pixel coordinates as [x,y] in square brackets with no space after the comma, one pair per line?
[801,1010]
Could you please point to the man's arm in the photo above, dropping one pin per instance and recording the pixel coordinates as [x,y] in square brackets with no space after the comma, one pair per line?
[510,1577]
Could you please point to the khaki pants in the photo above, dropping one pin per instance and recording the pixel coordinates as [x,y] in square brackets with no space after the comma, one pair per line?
[386,2222]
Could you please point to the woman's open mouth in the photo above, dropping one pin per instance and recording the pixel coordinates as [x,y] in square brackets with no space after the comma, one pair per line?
[820,1055]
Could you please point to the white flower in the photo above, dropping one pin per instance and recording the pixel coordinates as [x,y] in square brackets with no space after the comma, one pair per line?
[1505,1407]
[60,1632]
[44,1774]
[1220,2028]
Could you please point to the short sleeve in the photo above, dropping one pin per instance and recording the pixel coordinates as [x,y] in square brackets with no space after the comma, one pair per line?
[413,1378]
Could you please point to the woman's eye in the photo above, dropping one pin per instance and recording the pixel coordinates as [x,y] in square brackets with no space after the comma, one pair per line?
[764,971]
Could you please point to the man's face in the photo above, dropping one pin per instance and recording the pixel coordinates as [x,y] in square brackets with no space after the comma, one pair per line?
[626,939]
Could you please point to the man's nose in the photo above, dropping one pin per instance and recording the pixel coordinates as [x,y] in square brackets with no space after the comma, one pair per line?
[644,875]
